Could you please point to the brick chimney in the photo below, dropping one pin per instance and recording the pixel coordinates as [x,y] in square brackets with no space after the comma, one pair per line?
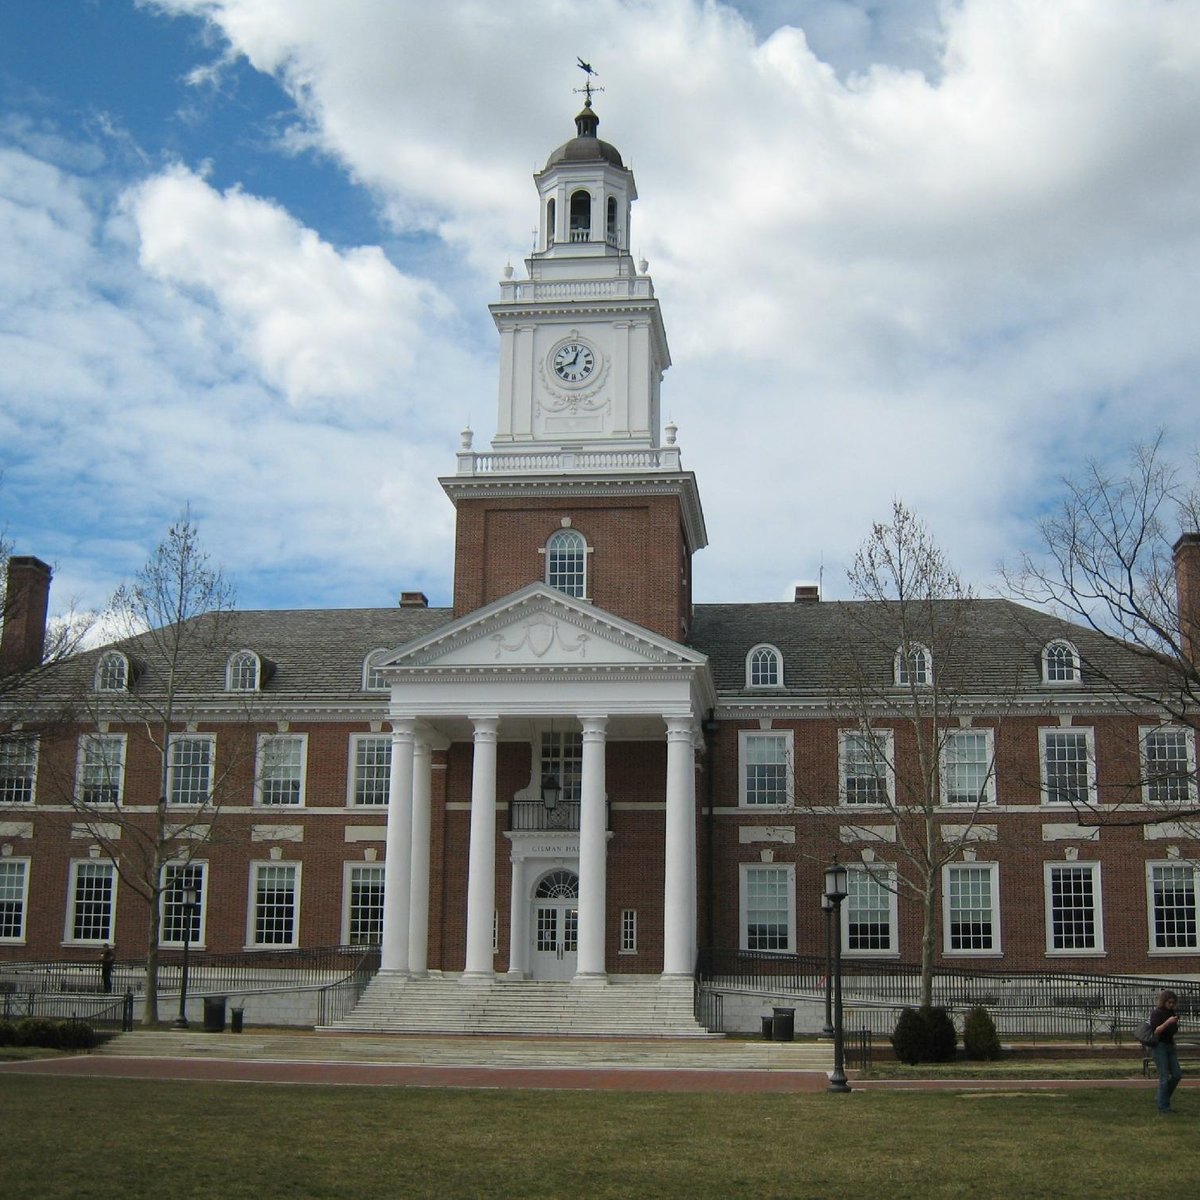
[1187,593]
[26,599]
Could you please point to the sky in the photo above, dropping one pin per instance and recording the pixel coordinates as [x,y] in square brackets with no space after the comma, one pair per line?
[941,251]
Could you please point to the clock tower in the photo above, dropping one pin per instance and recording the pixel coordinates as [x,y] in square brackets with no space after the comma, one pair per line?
[578,444]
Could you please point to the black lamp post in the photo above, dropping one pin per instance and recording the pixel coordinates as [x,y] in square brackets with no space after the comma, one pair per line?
[191,899]
[551,790]
[835,893]
[827,909]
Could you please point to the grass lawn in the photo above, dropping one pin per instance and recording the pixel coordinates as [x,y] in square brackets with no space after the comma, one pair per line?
[77,1137]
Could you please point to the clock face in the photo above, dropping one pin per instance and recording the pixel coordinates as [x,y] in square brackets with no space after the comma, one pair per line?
[573,362]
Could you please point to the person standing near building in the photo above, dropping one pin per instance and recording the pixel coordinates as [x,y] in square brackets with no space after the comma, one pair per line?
[1165,1022]
[107,958]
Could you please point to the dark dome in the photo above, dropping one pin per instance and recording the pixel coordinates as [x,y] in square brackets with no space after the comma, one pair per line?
[586,149]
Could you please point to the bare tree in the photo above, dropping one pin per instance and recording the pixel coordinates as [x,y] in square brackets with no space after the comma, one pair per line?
[1108,559]
[906,646]
[176,628]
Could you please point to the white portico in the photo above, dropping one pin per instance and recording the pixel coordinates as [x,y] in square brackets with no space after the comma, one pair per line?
[532,661]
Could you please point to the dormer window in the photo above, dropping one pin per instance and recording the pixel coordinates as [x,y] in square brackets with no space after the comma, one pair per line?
[913,668]
[112,672]
[764,667]
[581,216]
[1060,663]
[243,672]
[566,562]
[374,679]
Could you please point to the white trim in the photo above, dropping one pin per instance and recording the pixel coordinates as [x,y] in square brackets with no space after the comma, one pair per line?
[1177,864]
[252,904]
[988,796]
[899,671]
[884,875]
[199,941]
[89,739]
[260,777]
[629,922]
[175,739]
[764,648]
[15,739]
[233,663]
[1092,866]
[1075,669]
[348,870]
[887,741]
[784,736]
[993,870]
[107,656]
[744,871]
[369,661]
[1045,733]
[21,938]
[563,534]
[1189,737]
[69,938]
[352,772]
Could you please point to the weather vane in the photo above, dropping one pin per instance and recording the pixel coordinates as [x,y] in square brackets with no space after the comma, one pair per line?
[587,88]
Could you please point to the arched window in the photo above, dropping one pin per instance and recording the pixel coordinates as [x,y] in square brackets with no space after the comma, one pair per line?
[1060,663]
[581,217]
[611,221]
[566,562]
[242,673]
[915,667]
[373,678]
[558,885]
[764,667]
[112,672]
[551,209]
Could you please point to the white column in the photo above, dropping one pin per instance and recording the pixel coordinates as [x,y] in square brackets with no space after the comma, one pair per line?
[481,861]
[393,954]
[679,934]
[593,852]
[418,912]
[518,923]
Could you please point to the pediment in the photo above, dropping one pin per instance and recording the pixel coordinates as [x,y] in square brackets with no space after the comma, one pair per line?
[540,628]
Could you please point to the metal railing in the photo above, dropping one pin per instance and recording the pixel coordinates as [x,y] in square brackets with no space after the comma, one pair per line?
[100,1011]
[533,815]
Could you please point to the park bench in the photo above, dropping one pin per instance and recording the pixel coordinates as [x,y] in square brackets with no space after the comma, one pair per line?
[1189,1053]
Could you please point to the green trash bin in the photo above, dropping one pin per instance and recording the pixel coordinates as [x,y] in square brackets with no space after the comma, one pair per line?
[214,1014]
[784,1024]
[235,1019]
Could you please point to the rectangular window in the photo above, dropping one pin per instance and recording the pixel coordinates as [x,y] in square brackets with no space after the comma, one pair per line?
[562,756]
[1169,765]
[364,904]
[766,758]
[1073,916]
[767,901]
[275,893]
[869,912]
[189,768]
[628,931]
[18,769]
[371,769]
[970,909]
[14,898]
[967,767]
[281,764]
[866,766]
[101,768]
[177,878]
[93,902]
[1173,912]
[1068,767]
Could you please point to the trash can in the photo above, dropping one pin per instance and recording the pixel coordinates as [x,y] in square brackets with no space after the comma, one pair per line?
[235,1019]
[214,1014]
[784,1024]
[768,1028]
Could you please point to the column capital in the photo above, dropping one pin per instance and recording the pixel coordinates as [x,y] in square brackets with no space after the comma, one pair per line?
[680,728]
[593,727]
[404,729]
[486,728]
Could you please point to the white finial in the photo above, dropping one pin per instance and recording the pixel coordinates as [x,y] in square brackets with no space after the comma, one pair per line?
[467,438]
[508,270]
[643,265]
[672,430]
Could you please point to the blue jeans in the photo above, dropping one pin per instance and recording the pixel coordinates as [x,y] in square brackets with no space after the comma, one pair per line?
[1166,1059]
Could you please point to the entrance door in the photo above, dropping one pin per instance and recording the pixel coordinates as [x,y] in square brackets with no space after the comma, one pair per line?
[556,925]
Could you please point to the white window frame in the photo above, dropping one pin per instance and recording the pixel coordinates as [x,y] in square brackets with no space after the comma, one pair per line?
[916,651]
[745,870]
[887,739]
[628,931]
[1189,743]
[168,870]
[562,535]
[69,938]
[988,795]
[256,868]
[993,872]
[103,678]
[1045,734]
[238,678]
[349,870]
[261,766]
[352,775]
[884,875]
[371,682]
[117,766]
[18,939]
[1093,867]
[174,768]
[1074,671]
[764,652]
[784,737]
[1178,865]
[29,765]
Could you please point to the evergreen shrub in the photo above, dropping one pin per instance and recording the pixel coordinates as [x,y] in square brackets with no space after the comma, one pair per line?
[943,1038]
[910,1038]
[980,1039]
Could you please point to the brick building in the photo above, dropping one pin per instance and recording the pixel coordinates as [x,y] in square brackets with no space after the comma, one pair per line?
[578,774]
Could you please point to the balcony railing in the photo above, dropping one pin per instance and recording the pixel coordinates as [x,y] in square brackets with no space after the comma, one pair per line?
[532,816]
